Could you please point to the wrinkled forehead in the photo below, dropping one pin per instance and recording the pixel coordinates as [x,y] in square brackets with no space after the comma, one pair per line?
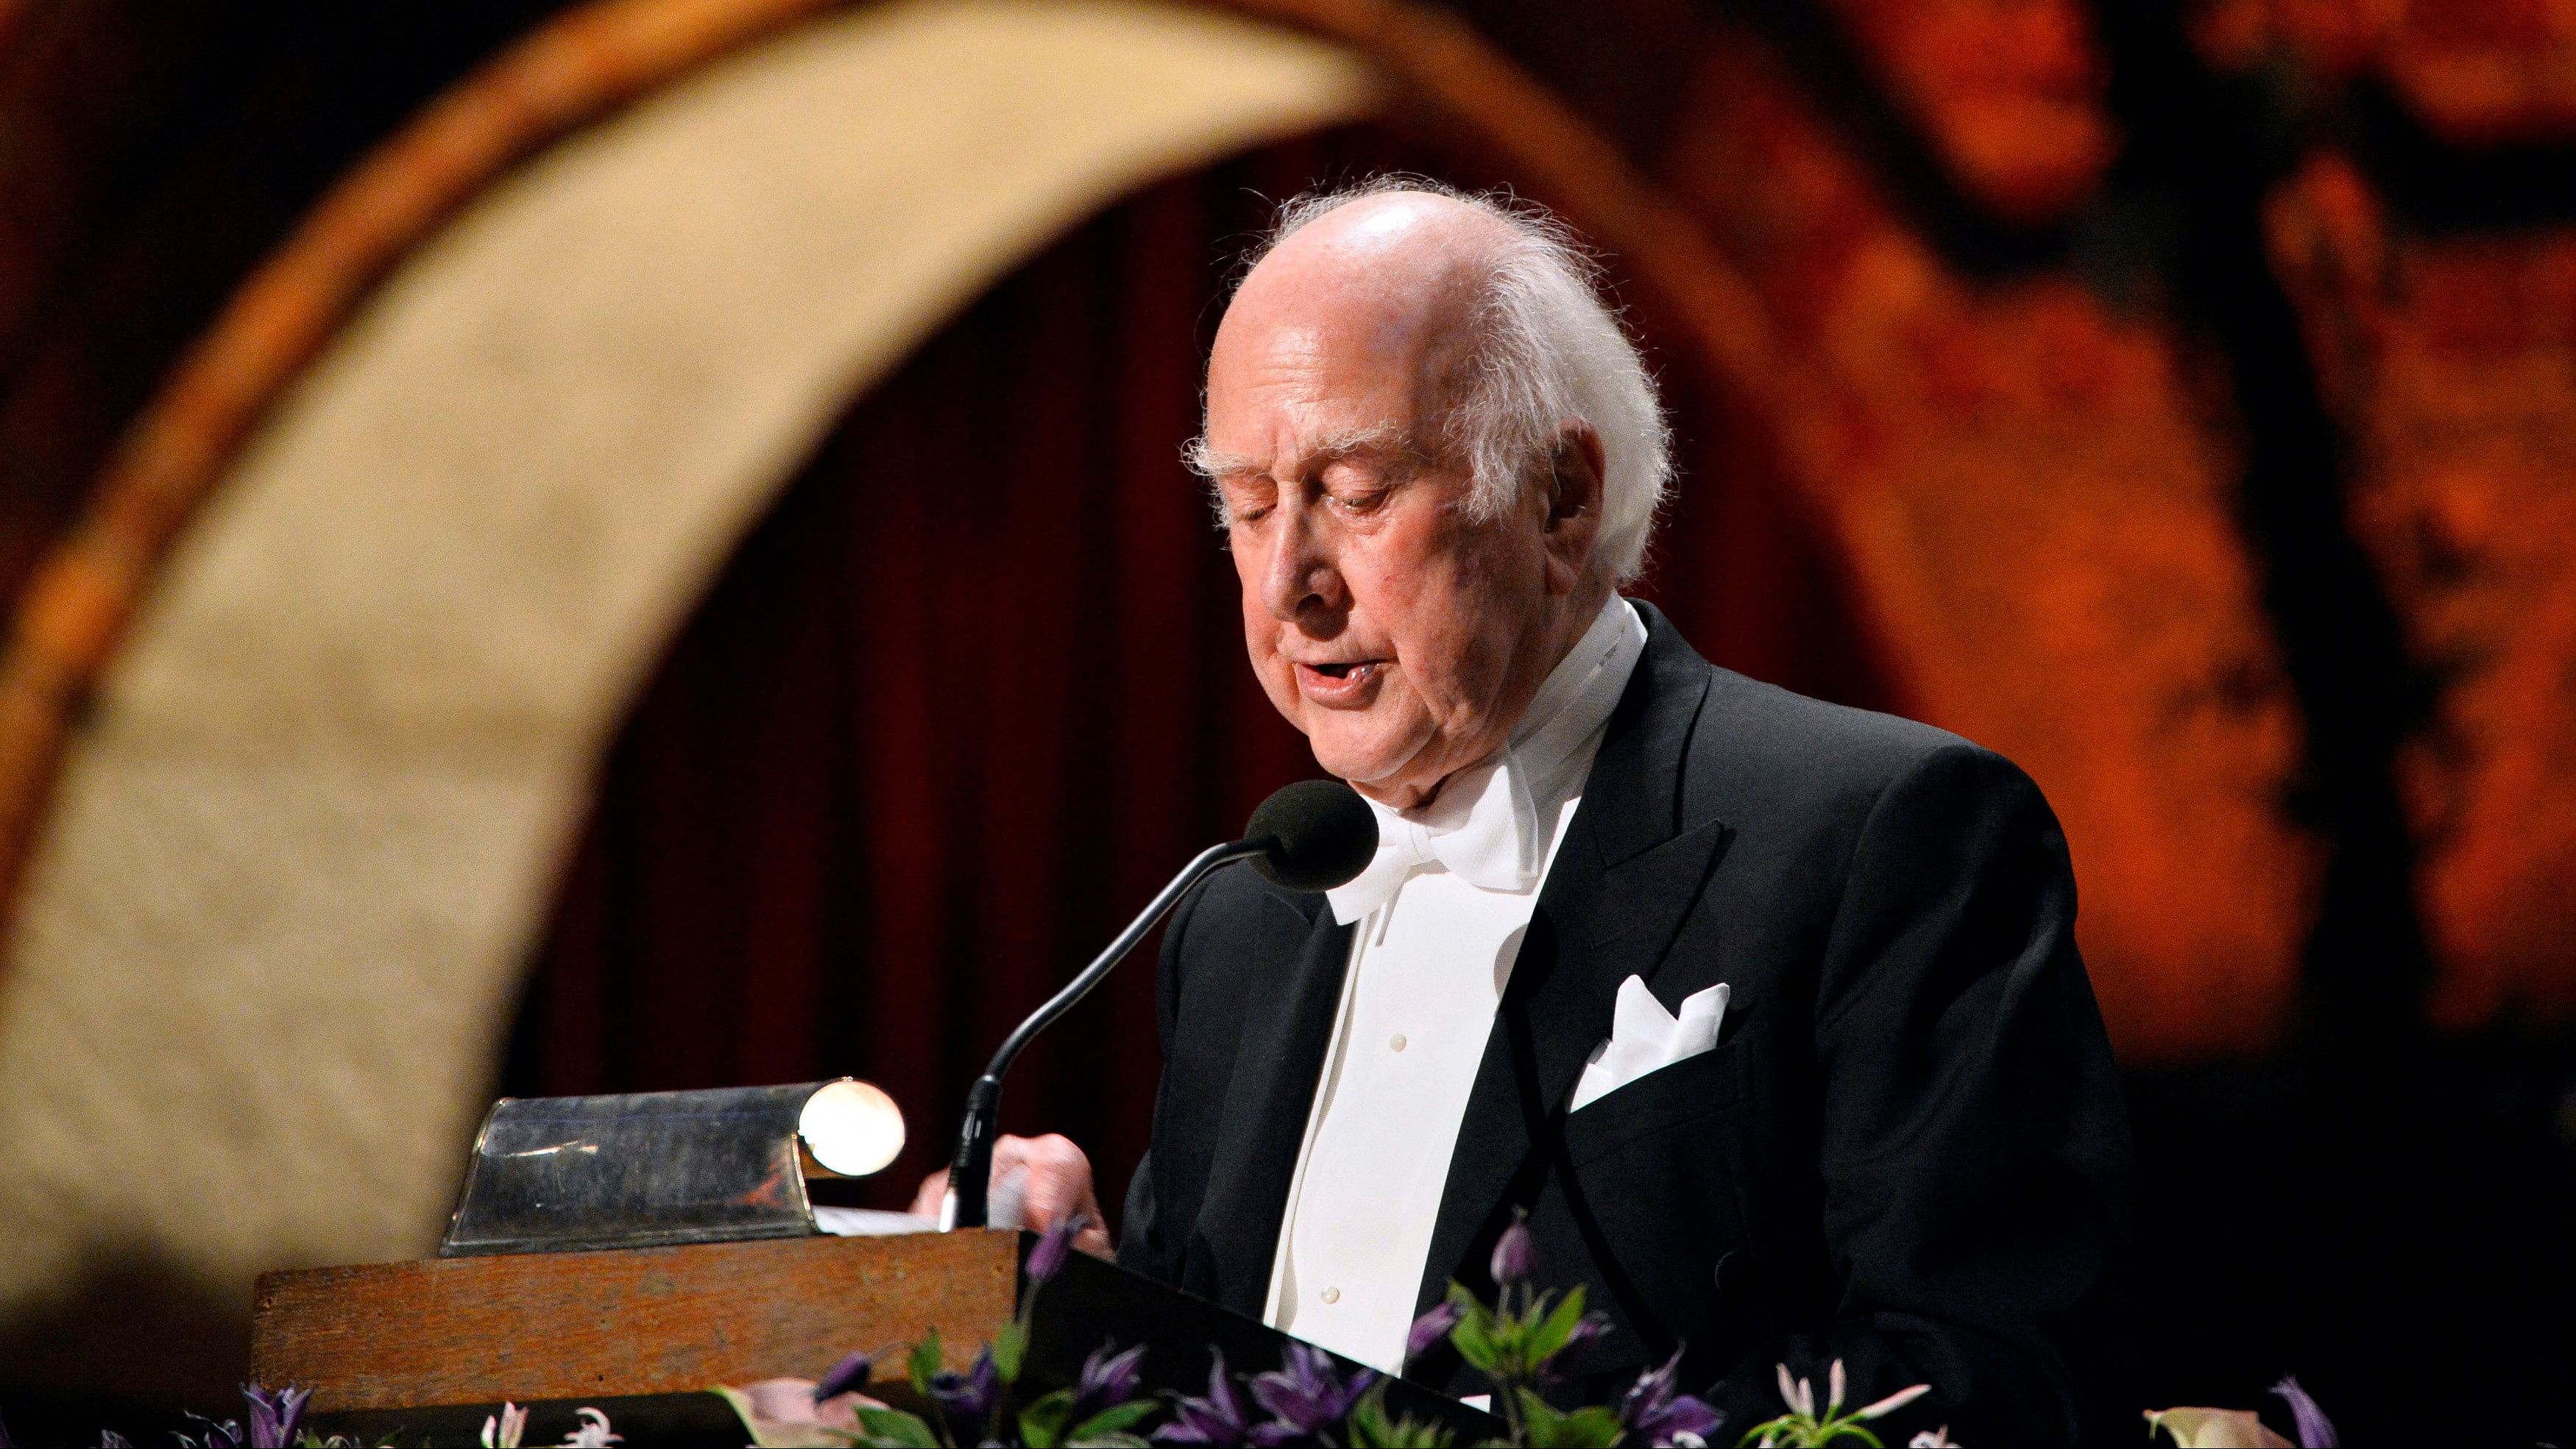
[1325,356]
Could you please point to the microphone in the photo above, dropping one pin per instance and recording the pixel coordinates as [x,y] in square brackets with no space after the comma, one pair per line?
[1310,836]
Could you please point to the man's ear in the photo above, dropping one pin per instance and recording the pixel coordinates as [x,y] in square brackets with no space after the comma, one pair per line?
[1575,483]
[1575,466]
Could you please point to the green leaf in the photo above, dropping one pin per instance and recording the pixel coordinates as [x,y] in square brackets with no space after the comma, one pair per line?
[1042,1423]
[1538,1417]
[1368,1423]
[1552,1332]
[895,1427]
[1112,1423]
[1370,1428]
[1582,1429]
[1474,1337]
[924,1362]
[1533,1308]
[1010,1346]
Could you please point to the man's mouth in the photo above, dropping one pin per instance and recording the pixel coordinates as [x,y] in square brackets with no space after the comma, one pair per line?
[1339,679]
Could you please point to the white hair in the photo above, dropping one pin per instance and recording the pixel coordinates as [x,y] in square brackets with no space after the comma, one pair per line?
[1548,349]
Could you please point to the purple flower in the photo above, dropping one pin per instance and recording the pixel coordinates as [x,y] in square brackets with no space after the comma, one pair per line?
[2316,1431]
[1514,1257]
[1047,1258]
[1590,1328]
[1108,1379]
[850,1373]
[1653,1412]
[275,1417]
[1218,1419]
[968,1398]
[1307,1396]
[1431,1328]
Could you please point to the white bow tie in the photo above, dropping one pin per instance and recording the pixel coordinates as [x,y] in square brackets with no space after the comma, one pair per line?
[1482,827]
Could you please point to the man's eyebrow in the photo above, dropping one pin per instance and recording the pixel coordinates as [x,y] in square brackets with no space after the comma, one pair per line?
[1385,440]
[1211,464]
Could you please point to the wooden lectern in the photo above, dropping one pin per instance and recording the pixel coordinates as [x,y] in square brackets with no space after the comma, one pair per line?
[622,1322]
[432,1346]
[630,1253]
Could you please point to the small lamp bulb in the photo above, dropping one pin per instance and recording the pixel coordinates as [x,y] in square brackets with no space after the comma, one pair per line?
[851,1127]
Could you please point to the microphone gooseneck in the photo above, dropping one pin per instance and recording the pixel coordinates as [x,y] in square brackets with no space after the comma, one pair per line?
[1310,836]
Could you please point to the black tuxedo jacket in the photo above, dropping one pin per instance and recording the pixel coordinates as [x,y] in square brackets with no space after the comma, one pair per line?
[1907,1149]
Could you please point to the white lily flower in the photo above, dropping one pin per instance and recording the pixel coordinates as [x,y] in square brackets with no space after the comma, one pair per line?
[1932,1439]
[593,1433]
[1835,1383]
[503,1431]
[1892,1402]
[2215,1429]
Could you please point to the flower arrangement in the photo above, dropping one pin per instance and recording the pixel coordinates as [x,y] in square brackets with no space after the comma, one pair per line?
[1514,1342]
[277,1422]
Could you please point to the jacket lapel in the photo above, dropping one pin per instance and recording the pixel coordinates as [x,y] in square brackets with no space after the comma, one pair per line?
[1298,965]
[1628,872]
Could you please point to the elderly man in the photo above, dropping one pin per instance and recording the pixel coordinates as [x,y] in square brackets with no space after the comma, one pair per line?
[1765,1013]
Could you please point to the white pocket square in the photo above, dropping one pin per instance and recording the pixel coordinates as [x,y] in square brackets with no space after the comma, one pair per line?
[1644,1037]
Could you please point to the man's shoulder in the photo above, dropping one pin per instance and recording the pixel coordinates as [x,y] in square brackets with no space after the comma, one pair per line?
[1785,729]
[1758,750]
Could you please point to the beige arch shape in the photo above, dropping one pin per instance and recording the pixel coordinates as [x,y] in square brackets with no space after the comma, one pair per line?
[297,856]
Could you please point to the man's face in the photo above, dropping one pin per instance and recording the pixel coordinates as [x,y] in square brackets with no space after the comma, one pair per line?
[1403,637]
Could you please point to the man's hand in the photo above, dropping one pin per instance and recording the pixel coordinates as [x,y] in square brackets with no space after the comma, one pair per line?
[1053,1180]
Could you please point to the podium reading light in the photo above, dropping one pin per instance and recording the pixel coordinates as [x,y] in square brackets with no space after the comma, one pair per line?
[554,1174]
[850,1128]
[1310,836]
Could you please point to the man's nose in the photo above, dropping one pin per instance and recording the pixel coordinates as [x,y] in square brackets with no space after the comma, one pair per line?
[1302,577]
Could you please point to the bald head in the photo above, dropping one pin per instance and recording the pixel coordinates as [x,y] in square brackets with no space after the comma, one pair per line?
[1390,285]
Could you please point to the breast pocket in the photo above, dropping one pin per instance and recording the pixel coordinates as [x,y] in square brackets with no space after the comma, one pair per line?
[1657,1170]
[1666,1100]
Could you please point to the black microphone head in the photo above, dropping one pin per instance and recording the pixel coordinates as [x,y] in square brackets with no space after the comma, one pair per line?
[1314,835]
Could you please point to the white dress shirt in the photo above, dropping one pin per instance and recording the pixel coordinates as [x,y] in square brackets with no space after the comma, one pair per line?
[1441,911]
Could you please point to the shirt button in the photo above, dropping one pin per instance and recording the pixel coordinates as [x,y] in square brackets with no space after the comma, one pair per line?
[1396,1042]
[1332,1295]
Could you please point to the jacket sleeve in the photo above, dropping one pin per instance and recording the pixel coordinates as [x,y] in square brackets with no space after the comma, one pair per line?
[1973,1150]
[1146,1244]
